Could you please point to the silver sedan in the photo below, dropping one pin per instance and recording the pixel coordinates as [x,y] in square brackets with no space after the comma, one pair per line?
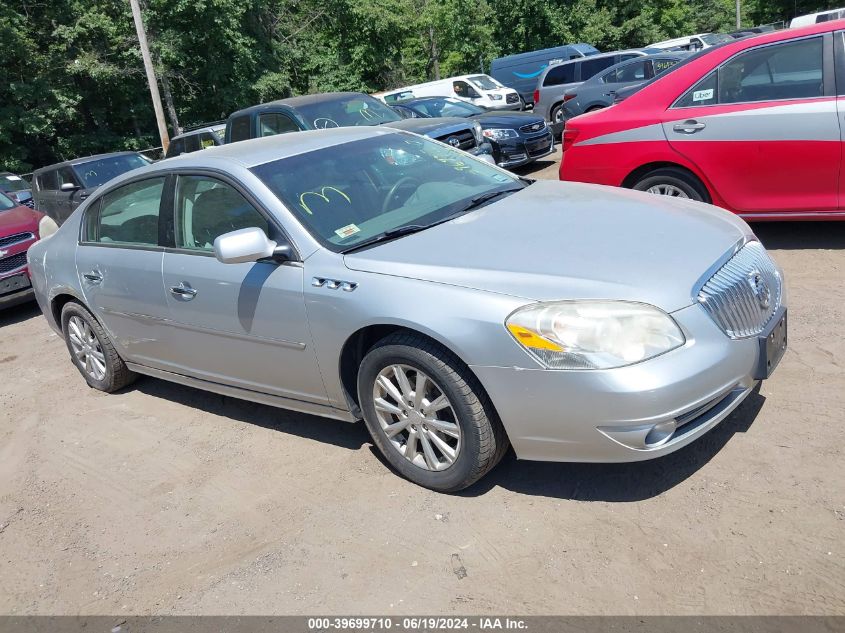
[456,308]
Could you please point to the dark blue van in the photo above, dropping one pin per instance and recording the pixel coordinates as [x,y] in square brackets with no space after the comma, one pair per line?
[520,71]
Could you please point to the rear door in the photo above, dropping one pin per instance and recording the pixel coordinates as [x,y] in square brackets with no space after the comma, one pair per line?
[238,324]
[763,128]
[119,265]
[839,62]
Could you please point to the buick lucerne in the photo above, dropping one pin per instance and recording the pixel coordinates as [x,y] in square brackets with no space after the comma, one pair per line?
[458,309]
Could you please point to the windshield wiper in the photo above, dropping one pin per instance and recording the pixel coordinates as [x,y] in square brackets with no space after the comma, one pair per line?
[391,234]
[407,229]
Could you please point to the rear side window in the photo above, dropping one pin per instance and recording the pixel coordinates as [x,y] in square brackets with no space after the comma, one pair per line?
[792,70]
[128,215]
[662,65]
[560,74]
[192,143]
[239,129]
[593,66]
[272,123]
[207,139]
[176,148]
[635,71]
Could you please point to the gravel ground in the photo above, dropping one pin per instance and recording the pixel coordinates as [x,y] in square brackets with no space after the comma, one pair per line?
[163,499]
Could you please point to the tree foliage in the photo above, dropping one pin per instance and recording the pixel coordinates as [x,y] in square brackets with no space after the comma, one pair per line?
[73,81]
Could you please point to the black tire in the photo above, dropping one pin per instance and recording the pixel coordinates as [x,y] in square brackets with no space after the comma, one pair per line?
[117,374]
[556,111]
[483,437]
[674,177]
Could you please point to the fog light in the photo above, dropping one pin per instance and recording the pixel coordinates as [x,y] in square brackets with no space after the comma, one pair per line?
[660,433]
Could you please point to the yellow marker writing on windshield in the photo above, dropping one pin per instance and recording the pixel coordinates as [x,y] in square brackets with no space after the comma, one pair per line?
[321,194]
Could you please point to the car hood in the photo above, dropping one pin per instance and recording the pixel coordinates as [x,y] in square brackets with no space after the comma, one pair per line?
[507,120]
[19,220]
[557,240]
[434,126]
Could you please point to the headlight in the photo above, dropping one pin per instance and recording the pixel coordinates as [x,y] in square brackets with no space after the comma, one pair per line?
[494,96]
[46,227]
[593,334]
[476,130]
[498,134]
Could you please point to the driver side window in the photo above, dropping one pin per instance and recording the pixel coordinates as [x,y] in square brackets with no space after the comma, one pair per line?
[207,208]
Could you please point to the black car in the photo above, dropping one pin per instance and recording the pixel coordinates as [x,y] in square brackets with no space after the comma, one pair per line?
[17,188]
[58,189]
[196,139]
[346,109]
[518,138]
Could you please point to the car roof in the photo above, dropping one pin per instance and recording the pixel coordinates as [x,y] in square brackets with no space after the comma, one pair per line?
[199,130]
[303,100]
[267,149]
[84,159]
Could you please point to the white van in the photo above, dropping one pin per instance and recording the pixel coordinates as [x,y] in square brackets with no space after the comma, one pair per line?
[692,42]
[816,18]
[481,90]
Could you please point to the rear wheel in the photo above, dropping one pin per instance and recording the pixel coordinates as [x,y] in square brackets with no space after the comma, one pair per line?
[594,108]
[91,350]
[672,182]
[557,114]
[427,413]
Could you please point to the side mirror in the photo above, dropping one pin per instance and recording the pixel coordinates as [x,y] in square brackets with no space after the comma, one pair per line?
[246,245]
[69,186]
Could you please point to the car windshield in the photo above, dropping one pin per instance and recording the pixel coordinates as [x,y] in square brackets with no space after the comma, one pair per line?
[347,112]
[444,106]
[484,82]
[349,194]
[10,182]
[715,38]
[6,202]
[96,172]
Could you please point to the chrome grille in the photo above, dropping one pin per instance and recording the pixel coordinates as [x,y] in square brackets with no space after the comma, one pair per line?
[533,128]
[17,238]
[745,293]
[8,264]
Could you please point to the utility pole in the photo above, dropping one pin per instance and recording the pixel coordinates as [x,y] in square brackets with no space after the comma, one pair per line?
[151,76]
[738,16]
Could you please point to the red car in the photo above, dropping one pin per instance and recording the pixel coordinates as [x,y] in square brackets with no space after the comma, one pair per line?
[20,228]
[752,126]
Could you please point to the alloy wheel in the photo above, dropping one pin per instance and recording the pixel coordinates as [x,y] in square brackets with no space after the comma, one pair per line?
[86,348]
[417,417]
[667,190]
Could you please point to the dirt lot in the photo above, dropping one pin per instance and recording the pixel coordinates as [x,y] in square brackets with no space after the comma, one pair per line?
[163,499]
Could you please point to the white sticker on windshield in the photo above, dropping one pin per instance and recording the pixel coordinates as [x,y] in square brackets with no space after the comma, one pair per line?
[702,95]
[347,231]
[13,177]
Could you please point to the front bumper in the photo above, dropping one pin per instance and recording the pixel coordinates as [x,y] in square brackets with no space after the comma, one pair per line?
[524,150]
[13,292]
[628,414]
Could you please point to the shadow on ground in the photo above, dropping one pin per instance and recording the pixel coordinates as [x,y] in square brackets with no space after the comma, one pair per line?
[582,482]
[800,235]
[19,313]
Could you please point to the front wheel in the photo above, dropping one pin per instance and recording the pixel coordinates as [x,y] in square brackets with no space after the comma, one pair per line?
[427,413]
[674,183]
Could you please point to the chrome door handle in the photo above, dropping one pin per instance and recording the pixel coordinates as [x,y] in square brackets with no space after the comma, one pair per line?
[95,276]
[186,292]
[689,127]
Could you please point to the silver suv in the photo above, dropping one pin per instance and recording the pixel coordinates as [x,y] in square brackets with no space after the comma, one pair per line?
[557,79]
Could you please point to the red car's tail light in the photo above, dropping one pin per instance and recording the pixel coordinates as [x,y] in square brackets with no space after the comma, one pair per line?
[536,96]
[569,136]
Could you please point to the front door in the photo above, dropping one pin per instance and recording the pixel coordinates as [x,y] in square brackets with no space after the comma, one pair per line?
[763,129]
[238,324]
[119,265]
